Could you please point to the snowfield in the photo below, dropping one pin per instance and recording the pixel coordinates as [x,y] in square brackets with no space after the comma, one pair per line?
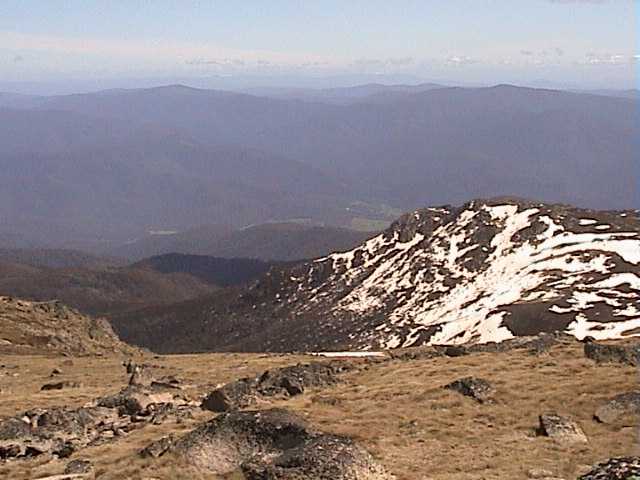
[487,272]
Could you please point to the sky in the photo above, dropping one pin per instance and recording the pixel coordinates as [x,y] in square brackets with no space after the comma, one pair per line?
[577,43]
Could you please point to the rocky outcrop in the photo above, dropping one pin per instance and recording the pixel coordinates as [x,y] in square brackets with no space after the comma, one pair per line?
[60,431]
[286,381]
[477,388]
[271,445]
[534,344]
[561,429]
[626,354]
[625,468]
[50,327]
[621,410]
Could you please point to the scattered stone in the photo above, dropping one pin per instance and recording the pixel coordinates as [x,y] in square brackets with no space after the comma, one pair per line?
[562,429]
[79,466]
[168,382]
[232,396]
[159,447]
[287,381]
[134,400]
[627,354]
[60,385]
[141,376]
[534,344]
[621,409]
[539,473]
[625,468]
[477,388]
[61,431]
[270,444]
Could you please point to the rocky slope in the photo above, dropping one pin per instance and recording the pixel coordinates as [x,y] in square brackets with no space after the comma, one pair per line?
[50,327]
[484,272]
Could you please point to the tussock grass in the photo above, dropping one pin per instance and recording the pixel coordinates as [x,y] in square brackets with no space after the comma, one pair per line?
[397,409]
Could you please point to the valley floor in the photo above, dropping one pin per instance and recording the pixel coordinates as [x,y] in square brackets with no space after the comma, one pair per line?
[397,409]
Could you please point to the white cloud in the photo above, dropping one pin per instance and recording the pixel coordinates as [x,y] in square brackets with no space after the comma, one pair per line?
[593,58]
[147,50]
[458,60]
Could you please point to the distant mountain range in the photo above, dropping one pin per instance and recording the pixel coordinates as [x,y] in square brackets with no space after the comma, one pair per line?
[484,272]
[100,287]
[93,171]
[269,242]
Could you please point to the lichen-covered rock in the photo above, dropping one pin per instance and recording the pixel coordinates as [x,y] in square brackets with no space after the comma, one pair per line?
[561,429]
[621,409]
[625,468]
[286,381]
[134,400]
[626,354]
[78,466]
[271,445]
[232,396]
[477,388]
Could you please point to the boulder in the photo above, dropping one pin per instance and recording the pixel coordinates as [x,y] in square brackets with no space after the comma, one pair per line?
[561,429]
[134,400]
[477,388]
[232,396]
[625,468]
[286,381]
[620,410]
[626,354]
[271,444]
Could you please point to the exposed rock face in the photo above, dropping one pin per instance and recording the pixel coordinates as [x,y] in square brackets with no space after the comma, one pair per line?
[562,429]
[626,468]
[628,354]
[485,272]
[477,388]
[48,327]
[286,381]
[271,444]
[620,410]
[58,431]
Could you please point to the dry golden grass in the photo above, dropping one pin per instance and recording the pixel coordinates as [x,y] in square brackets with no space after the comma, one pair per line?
[397,409]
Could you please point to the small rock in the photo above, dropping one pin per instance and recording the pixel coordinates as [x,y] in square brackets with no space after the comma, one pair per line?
[626,354]
[561,429]
[141,376]
[60,385]
[56,371]
[625,468]
[621,409]
[79,466]
[477,388]
[232,396]
[539,473]
[158,448]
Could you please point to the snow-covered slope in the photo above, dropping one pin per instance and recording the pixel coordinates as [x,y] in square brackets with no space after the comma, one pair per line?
[487,271]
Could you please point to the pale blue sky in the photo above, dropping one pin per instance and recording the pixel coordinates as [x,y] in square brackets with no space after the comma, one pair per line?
[585,42]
